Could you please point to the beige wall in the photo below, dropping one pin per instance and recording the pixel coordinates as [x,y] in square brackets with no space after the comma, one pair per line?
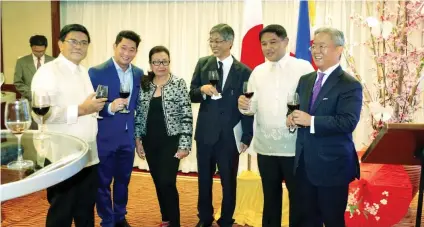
[21,20]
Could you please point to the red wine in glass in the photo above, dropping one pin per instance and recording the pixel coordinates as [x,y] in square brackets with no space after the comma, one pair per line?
[249,94]
[293,107]
[213,82]
[124,95]
[293,104]
[41,111]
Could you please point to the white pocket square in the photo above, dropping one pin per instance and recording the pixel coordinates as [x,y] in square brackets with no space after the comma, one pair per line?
[325,99]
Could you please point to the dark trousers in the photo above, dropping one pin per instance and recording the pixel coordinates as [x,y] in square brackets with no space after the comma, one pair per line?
[319,204]
[274,170]
[223,154]
[73,199]
[116,165]
[163,168]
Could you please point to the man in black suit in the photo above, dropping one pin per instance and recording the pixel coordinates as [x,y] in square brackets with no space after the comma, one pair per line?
[217,117]
[326,160]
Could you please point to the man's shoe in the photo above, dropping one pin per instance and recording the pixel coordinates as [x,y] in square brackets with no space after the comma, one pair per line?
[201,224]
[122,223]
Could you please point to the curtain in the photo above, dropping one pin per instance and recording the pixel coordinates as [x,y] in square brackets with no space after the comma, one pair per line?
[183,27]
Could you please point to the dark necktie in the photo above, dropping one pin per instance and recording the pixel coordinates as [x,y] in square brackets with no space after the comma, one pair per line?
[317,88]
[38,62]
[221,75]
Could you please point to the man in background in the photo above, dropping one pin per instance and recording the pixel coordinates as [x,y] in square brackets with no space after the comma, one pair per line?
[26,66]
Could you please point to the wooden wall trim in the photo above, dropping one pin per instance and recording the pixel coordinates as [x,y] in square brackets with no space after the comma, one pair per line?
[1,41]
[55,14]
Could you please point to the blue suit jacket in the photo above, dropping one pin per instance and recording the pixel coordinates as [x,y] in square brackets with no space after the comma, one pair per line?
[216,116]
[329,154]
[112,127]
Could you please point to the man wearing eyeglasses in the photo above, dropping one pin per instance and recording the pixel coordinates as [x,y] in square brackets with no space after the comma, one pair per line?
[71,112]
[217,117]
[115,139]
[326,160]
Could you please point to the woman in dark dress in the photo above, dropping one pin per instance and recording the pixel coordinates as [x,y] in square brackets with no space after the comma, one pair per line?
[163,130]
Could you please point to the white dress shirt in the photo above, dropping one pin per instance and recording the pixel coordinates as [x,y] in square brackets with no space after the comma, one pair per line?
[68,86]
[271,83]
[226,66]
[35,59]
[326,75]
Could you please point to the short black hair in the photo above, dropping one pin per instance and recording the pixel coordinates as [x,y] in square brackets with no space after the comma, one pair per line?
[128,35]
[277,29]
[73,28]
[38,40]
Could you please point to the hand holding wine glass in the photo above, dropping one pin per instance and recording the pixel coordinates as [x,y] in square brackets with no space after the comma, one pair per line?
[214,81]
[124,93]
[41,106]
[101,92]
[293,104]
[245,100]
[18,120]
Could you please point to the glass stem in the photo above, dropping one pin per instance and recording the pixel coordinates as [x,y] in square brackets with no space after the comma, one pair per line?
[20,158]
[42,124]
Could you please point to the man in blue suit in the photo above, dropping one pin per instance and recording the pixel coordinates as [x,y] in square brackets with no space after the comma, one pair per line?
[214,134]
[326,160]
[115,139]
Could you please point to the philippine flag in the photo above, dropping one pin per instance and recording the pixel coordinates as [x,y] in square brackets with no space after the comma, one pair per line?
[251,52]
[303,38]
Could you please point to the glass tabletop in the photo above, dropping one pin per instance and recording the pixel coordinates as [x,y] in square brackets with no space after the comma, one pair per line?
[48,154]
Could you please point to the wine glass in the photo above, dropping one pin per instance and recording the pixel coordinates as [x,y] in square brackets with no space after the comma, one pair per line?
[292,104]
[18,120]
[246,92]
[213,77]
[101,92]
[124,93]
[41,106]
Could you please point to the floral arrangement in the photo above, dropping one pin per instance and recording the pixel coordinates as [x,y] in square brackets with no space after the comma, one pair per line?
[393,96]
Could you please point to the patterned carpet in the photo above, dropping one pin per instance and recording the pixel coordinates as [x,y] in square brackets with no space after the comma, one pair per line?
[143,209]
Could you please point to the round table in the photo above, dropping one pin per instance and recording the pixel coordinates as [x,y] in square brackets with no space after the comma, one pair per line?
[55,158]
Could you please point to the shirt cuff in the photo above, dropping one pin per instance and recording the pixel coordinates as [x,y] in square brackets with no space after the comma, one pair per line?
[109,109]
[72,114]
[204,96]
[312,125]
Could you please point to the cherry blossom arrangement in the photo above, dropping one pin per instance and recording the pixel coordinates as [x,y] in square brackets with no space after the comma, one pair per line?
[398,62]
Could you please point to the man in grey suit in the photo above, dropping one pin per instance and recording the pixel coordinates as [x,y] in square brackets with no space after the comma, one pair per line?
[26,66]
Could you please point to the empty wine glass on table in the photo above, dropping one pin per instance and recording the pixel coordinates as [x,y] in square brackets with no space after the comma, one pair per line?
[18,119]
[124,93]
[101,92]
[41,106]
[293,104]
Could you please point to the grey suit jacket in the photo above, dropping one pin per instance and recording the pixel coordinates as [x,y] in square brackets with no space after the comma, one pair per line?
[24,71]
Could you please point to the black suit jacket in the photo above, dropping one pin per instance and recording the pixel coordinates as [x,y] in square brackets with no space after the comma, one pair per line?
[216,116]
[329,154]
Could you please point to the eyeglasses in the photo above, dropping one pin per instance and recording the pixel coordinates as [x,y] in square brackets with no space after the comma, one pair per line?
[74,42]
[321,48]
[217,42]
[164,63]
